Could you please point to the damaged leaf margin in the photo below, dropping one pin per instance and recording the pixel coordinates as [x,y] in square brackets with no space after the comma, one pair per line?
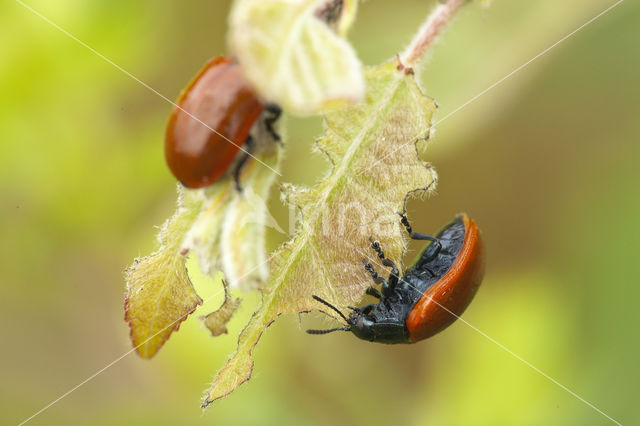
[354,201]
[217,320]
[159,293]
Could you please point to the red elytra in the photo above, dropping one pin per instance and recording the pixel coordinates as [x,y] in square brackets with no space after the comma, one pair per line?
[453,292]
[211,124]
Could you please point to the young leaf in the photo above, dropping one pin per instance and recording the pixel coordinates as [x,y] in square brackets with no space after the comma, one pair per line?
[313,66]
[373,147]
[243,232]
[217,320]
[228,235]
[159,293]
[224,227]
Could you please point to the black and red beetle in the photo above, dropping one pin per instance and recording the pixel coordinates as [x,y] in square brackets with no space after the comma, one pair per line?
[430,295]
[208,130]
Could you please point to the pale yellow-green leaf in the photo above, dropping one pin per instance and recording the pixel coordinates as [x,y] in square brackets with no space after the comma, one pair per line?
[217,320]
[203,238]
[373,147]
[229,234]
[242,245]
[159,293]
[224,228]
[292,57]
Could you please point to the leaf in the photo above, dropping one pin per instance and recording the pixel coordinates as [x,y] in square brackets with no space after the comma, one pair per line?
[243,237]
[373,147]
[159,293]
[229,233]
[224,228]
[292,57]
[217,320]
[203,237]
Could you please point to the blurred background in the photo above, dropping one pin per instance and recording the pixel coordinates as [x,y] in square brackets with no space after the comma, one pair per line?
[547,163]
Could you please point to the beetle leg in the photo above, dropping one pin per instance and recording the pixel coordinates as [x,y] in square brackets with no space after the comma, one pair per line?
[394,276]
[405,222]
[275,112]
[387,289]
[386,262]
[435,246]
[376,247]
[371,291]
[369,268]
[366,310]
[387,286]
[249,145]
[432,250]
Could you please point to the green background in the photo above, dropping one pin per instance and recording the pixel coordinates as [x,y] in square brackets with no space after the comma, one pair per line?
[548,163]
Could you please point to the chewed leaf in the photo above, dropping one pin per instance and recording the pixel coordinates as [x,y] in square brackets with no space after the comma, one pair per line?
[374,148]
[292,56]
[220,225]
[217,320]
[159,293]
[229,233]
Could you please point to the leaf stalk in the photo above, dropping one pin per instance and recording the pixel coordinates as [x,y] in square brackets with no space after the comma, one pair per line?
[429,31]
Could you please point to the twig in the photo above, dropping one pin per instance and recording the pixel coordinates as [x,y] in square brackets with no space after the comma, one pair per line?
[429,31]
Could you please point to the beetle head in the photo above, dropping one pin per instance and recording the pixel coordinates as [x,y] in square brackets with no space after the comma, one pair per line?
[360,324]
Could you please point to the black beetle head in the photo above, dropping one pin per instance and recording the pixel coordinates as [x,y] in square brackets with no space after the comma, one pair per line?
[361,325]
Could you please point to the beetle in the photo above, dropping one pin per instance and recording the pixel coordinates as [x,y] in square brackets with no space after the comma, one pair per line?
[208,133]
[430,295]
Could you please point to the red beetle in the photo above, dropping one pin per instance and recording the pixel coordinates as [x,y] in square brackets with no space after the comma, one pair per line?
[208,130]
[431,294]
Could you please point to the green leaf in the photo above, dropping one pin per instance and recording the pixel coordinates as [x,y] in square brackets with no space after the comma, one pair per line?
[159,293]
[374,147]
[229,233]
[294,58]
[217,320]
[225,229]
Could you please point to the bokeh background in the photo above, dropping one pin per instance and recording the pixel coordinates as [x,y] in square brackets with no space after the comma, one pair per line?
[548,163]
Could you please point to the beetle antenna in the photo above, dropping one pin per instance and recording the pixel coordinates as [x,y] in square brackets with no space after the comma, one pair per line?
[324,302]
[331,330]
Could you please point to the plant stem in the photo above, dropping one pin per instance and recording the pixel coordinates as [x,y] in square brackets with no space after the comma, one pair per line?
[429,31]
